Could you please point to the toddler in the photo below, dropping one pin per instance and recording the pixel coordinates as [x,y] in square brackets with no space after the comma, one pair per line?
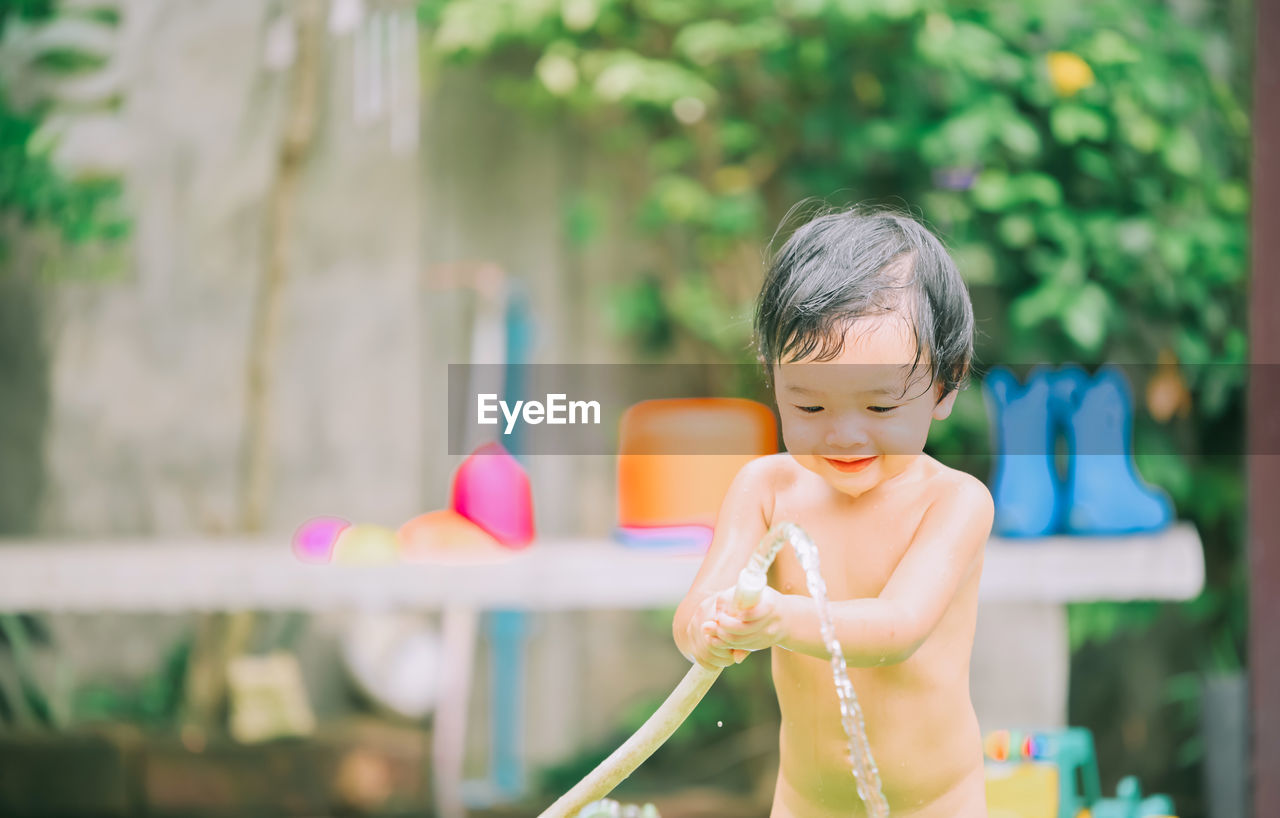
[866,331]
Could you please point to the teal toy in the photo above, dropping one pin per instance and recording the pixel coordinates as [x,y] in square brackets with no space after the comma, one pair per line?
[1028,771]
[1129,803]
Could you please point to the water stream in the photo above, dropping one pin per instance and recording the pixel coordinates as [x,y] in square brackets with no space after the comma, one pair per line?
[865,773]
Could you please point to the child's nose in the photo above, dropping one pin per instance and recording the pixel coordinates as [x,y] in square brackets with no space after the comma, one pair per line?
[846,435]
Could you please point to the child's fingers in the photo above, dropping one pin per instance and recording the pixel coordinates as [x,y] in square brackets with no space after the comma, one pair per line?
[728,640]
[722,653]
[727,621]
[716,653]
[715,640]
[757,638]
[737,627]
[713,632]
[738,631]
[715,660]
[757,611]
[718,644]
[751,642]
[739,654]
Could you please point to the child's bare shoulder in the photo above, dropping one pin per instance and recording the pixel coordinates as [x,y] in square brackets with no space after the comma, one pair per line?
[769,476]
[774,473]
[945,478]
[950,489]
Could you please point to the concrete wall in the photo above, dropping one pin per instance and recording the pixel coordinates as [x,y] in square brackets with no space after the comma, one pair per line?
[149,370]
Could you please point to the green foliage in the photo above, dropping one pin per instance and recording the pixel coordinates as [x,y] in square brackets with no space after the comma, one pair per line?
[1113,214]
[154,702]
[31,9]
[32,192]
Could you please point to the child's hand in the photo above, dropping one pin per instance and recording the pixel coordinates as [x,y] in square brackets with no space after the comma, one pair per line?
[708,649]
[758,627]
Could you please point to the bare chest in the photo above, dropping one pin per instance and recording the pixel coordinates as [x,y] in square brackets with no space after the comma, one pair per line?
[858,549]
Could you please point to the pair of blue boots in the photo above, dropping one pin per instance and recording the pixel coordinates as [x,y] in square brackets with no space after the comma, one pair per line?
[1101,491]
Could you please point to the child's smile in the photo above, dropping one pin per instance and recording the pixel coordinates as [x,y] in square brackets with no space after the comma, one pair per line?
[850,466]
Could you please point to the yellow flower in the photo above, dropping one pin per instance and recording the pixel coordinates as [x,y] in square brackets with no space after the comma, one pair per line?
[1069,73]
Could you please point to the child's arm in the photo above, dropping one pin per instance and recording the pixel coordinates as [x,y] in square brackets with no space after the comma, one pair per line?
[742,521]
[890,627]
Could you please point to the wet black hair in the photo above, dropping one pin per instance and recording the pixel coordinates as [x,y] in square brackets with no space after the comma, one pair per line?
[848,264]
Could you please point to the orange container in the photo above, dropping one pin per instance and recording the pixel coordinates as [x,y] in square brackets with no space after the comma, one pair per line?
[677,457]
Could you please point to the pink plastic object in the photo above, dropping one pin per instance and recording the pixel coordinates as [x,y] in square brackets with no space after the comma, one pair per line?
[314,539]
[491,489]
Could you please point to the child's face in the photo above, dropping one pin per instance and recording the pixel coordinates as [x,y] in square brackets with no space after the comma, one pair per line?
[862,418]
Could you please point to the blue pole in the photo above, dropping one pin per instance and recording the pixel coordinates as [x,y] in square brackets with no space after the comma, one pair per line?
[507,629]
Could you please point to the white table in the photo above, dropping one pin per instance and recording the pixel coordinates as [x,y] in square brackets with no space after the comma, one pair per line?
[1020,658]
[262,574]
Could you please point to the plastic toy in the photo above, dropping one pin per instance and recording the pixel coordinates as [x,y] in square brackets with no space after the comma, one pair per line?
[492,515]
[1102,492]
[366,544]
[1025,485]
[677,457]
[695,537]
[314,539]
[1054,774]
[447,536]
[492,490]
[394,661]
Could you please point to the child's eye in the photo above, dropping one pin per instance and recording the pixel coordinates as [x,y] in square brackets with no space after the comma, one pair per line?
[880,410]
[809,410]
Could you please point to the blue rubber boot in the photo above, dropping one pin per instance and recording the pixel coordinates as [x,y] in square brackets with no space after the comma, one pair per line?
[1025,483]
[1104,493]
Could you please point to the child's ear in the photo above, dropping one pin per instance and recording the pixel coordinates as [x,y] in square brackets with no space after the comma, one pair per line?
[942,409]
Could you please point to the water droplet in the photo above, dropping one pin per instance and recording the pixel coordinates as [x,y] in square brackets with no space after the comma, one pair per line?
[719,724]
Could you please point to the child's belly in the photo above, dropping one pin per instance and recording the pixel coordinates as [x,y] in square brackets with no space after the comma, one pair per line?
[920,722]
